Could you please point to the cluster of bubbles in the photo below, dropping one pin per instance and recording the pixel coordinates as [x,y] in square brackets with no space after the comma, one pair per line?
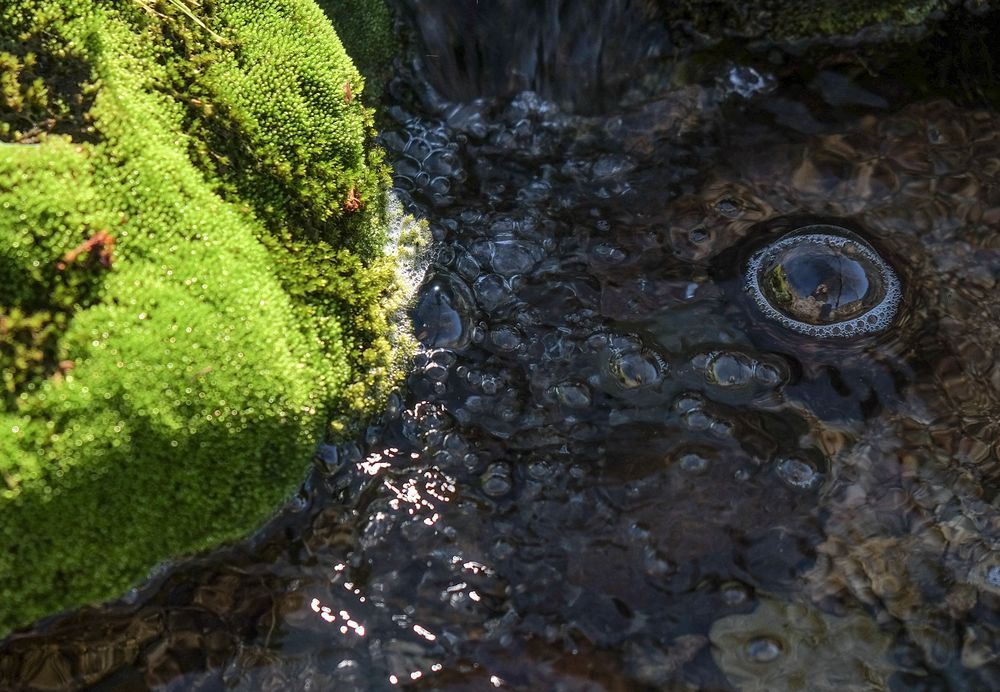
[537,356]
[426,163]
[531,379]
[536,378]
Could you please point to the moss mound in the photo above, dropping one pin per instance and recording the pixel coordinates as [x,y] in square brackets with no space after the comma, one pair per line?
[191,280]
[366,27]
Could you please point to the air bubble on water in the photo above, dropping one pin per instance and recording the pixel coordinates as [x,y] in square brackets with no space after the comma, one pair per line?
[721,427]
[728,207]
[993,576]
[444,255]
[492,291]
[701,360]
[441,317]
[417,148]
[823,281]
[535,192]
[798,473]
[611,254]
[697,420]
[439,185]
[636,368]
[490,384]
[406,170]
[504,227]
[440,163]
[612,166]
[506,338]
[507,256]
[443,356]
[767,374]
[698,235]
[735,593]
[685,403]
[598,341]
[541,470]
[467,118]
[693,463]
[763,649]
[436,372]
[467,266]
[655,564]
[730,369]
[510,257]
[496,480]
[571,395]
[508,408]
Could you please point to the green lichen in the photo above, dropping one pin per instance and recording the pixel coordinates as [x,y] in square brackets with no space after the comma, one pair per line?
[191,279]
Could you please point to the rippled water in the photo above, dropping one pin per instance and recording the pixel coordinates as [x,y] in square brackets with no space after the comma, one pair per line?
[608,469]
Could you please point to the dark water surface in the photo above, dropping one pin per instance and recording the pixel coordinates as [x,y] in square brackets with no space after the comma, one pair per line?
[609,470]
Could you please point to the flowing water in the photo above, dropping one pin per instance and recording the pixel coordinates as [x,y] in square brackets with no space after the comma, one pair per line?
[617,463]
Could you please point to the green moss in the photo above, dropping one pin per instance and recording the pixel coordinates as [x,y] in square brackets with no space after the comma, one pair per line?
[187,295]
[44,85]
[366,27]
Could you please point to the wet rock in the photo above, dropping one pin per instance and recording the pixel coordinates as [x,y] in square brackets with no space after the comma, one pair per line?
[795,646]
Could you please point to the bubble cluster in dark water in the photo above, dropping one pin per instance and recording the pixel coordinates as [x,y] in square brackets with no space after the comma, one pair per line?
[426,166]
[824,282]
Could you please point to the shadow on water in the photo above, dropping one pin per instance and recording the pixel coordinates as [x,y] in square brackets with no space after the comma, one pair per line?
[609,469]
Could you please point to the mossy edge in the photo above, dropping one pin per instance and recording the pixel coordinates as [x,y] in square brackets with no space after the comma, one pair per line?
[154,205]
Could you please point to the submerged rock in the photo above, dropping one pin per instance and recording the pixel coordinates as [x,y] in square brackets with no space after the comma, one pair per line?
[795,646]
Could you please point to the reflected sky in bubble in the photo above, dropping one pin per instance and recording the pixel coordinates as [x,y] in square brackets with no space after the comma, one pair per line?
[825,282]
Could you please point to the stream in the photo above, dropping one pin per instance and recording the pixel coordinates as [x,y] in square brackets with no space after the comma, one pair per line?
[617,463]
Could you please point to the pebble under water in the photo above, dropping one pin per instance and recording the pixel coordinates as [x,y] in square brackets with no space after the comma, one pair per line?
[613,466]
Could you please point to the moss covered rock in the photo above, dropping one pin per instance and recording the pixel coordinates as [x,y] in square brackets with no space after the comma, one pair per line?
[191,279]
[366,28]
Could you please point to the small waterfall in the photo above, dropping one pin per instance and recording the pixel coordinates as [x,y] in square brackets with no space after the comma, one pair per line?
[581,55]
